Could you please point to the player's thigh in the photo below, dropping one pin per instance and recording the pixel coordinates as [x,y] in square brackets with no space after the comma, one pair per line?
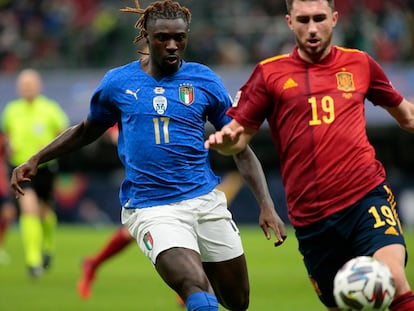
[222,252]
[361,229]
[182,270]
[220,244]
[161,228]
[375,221]
[230,282]
[394,256]
[324,251]
[218,235]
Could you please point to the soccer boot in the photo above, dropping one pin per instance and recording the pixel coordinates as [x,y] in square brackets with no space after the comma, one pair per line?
[88,276]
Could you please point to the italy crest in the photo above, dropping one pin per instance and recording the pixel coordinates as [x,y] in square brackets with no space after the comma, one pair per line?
[186,94]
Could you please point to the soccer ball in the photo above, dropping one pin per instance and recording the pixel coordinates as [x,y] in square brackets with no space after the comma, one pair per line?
[364,283]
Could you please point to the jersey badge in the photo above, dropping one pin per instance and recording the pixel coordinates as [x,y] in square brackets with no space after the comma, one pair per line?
[236,99]
[345,81]
[290,83]
[159,90]
[160,104]
[129,92]
[186,92]
[148,241]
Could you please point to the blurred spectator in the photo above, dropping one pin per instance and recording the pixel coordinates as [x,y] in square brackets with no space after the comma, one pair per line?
[7,208]
[90,34]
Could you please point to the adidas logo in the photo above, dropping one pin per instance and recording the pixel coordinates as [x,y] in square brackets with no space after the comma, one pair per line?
[391,230]
[289,84]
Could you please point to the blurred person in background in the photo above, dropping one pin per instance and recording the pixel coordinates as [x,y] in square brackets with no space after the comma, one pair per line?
[29,123]
[339,200]
[169,199]
[7,207]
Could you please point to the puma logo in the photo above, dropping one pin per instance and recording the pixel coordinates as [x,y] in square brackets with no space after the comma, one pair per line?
[129,92]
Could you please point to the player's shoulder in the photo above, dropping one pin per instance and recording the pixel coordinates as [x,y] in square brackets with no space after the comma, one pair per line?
[275,59]
[124,71]
[355,56]
[199,73]
[349,52]
[346,50]
[198,69]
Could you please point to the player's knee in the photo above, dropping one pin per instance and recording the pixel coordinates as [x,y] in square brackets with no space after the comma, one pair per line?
[236,302]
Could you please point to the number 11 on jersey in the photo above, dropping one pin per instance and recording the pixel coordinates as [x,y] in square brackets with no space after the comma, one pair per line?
[161,128]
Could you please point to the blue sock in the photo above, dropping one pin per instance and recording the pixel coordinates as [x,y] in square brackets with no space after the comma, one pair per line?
[201,301]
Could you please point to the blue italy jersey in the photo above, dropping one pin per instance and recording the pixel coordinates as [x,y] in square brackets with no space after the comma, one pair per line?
[162,130]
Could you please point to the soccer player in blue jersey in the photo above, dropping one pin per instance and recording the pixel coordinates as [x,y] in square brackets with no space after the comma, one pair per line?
[169,199]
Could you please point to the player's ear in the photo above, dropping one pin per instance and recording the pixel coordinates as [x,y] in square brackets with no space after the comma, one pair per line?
[288,20]
[335,17]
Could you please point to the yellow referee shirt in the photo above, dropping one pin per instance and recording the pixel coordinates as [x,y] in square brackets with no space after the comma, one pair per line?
[31,126]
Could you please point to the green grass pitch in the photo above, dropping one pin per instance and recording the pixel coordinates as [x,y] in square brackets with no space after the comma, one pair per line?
[129,282]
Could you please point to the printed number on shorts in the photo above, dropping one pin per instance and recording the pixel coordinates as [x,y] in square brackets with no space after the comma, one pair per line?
[386,215]
[383,215]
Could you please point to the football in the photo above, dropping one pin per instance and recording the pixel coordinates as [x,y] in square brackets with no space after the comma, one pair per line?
[364,283]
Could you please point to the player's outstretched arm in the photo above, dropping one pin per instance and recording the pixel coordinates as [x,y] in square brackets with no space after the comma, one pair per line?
[231,139]
[403,114]
[70,140]
[251,170]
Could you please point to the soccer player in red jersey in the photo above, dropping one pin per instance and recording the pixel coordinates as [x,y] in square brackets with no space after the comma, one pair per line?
[339,201]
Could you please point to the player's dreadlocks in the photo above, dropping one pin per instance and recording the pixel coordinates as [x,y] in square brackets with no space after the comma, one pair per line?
[167,9]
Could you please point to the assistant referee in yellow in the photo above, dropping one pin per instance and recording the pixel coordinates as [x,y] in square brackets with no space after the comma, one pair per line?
[29,123]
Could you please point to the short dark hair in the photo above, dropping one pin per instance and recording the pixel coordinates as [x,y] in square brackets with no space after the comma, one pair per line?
[289,4]
[166,9]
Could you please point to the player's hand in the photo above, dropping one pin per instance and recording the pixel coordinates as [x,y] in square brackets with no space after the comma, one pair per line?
[270,220]
[22,173]
[224,138]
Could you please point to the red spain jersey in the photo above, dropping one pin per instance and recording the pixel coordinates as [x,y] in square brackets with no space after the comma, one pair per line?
[316,116]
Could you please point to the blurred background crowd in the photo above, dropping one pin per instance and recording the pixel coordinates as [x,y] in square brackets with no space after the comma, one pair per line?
[94,34]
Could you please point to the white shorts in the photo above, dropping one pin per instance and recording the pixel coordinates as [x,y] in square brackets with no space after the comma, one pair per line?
[203,224]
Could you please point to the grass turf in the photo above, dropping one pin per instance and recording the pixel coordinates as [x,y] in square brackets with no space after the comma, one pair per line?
[129,282]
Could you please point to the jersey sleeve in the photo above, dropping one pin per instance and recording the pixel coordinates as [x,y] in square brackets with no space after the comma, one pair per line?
[101,109]
[381,92]
[251,104]
[220,101]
